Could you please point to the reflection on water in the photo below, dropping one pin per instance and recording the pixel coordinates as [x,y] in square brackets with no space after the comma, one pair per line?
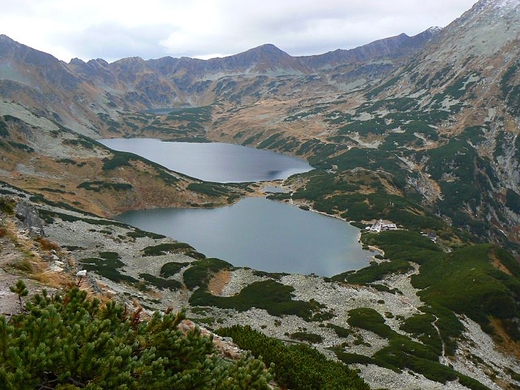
[262,234]
[255,232]
[217,162]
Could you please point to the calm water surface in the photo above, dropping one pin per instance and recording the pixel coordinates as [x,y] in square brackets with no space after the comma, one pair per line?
[261,234]
[218,162]
[255,232]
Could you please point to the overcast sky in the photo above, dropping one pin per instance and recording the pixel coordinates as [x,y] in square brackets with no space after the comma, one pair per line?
[114,29]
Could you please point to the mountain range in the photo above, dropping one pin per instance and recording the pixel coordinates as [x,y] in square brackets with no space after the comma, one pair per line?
[423,131]
[440,87]
[136,84]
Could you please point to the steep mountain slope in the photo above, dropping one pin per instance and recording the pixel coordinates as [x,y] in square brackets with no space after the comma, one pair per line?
[444,125]
[97,98]
[394,330]
[473,91]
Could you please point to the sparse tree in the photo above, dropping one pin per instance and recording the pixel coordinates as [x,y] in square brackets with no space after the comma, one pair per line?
[21,290]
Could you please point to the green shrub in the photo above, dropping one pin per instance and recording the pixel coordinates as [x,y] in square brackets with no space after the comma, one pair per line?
[171,269]
[402,352]
[4,130]
[466,282]
[163,249]
[21,146]
[137,233]
[340,331]
[70,342]
[353,358]
[274,297]
[374,272]
[422,328]
[192,114]
[513,201]
[371,320]
[97,186]
[119,159]
[108,265]
[82,141]
[201,272]
[297,367]
[210,189]
[312,338]
[66,161]
[7,205]
[161,283]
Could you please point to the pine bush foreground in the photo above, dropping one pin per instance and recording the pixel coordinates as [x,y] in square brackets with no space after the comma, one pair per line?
[71,342]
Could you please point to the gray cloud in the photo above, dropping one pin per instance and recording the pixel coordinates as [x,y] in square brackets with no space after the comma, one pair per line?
[206,28]
[113,41]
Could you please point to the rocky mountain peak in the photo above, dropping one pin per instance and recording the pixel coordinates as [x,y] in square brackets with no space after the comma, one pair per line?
[434,29]
[500,4]
[261,59]
[486,32]
[266,51]
[490,11]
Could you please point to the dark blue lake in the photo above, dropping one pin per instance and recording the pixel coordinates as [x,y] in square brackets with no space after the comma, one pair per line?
[255,232]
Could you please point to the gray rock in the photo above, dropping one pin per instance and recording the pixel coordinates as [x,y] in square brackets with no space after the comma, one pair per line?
[29,218]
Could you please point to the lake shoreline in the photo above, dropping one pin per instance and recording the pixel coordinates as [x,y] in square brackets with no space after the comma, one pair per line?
[249,231]
[273,237]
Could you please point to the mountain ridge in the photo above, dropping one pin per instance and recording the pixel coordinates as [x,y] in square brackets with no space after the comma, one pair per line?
[138,84]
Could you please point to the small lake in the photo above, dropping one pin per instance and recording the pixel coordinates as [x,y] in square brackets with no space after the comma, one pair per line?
[217,162]
[262,234]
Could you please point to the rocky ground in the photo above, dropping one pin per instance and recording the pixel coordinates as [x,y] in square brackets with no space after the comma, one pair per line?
[88,237]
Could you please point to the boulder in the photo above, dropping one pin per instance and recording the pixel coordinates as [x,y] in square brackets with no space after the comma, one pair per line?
[29,218]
